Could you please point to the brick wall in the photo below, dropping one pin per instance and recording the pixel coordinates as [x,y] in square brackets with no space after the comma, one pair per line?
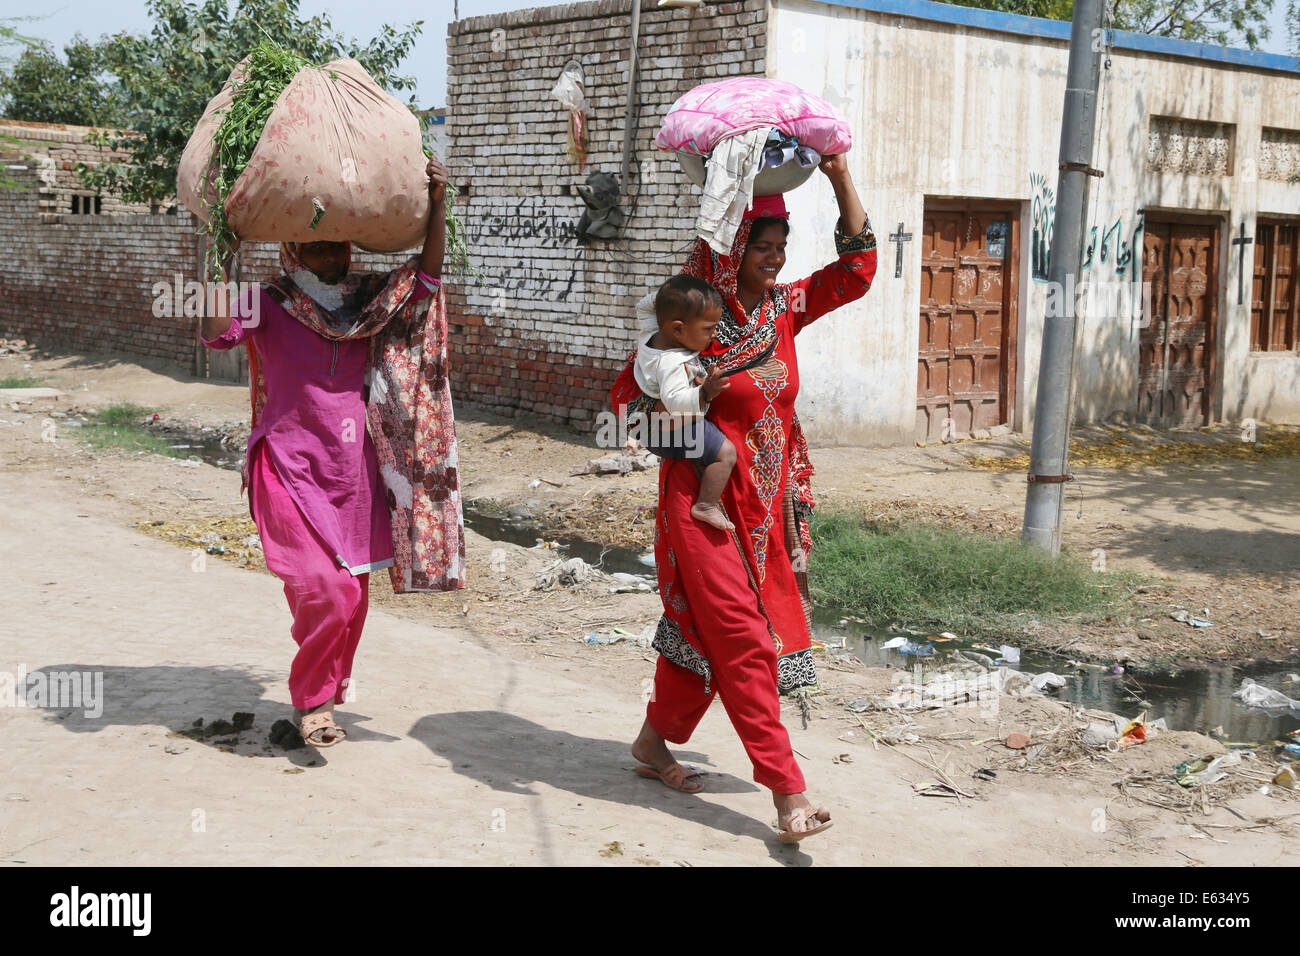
[551,323]
[87,282]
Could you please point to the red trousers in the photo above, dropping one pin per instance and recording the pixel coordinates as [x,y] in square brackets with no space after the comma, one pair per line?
[328,603]
[735,638]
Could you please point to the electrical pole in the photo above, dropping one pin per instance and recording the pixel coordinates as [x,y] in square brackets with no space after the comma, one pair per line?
[1049,453]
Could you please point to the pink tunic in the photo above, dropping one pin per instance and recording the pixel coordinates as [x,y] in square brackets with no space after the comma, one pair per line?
[314,425]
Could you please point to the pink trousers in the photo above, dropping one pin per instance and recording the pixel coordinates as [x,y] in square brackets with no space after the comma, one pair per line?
[328,603]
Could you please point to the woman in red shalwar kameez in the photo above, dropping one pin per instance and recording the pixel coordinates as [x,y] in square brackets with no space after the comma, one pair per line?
[736,611]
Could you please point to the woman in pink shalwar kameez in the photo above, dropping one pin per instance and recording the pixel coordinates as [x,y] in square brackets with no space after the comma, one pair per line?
[312,472]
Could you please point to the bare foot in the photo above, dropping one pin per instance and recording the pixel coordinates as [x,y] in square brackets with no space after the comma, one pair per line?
[795,815]
[711,514]
[650,749]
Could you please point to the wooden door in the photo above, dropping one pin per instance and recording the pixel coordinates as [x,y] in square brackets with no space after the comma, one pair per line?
[966,359]
[1176,346]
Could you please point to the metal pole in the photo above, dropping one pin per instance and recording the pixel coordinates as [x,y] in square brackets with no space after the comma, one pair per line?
[629,118]
[1049,453]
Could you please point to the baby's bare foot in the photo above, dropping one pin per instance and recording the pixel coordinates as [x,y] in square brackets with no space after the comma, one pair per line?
[711,514]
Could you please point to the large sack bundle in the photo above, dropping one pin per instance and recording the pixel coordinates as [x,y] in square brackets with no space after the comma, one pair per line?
[339,160]
[711,112]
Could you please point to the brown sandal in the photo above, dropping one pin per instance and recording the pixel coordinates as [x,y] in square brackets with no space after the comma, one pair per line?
[321,723]
[820,814]
[673,776]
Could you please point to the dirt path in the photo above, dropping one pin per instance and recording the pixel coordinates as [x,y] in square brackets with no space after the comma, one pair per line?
[482,731]
[460,752]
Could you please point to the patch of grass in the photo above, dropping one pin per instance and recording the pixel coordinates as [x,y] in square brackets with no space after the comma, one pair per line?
[975,584]
[123,413]
[22,381]
[117,428]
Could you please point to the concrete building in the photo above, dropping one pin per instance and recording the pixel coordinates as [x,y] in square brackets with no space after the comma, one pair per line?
[956,115]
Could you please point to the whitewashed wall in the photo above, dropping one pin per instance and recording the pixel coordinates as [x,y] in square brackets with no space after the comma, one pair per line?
[939,109]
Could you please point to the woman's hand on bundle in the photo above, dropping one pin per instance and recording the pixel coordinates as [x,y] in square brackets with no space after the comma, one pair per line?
[437,174]
[835,166]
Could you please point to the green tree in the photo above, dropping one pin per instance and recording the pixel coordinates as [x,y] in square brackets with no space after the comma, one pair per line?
[10,39]
[42,88]
[1225,22]
[165,79]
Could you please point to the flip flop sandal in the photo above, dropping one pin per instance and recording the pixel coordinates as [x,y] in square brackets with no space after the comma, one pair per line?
[321,723]
[821,814]
[673,776]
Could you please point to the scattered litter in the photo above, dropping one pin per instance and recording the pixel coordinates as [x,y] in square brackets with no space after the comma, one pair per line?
[842,758]
[632,457]
[1134,732]
[630,584]
[1047,679]
[1010,655]
[970,657]
[1257,695]
[596,638]
[893,642]
[858,705]
[984,773]
[1286,777]
[1017,741]
[566,574]
[1205,770]
[1185,618]
[939,790]
[949,688]
[534,483]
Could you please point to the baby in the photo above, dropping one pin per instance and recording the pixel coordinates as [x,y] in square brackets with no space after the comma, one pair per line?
[687,310]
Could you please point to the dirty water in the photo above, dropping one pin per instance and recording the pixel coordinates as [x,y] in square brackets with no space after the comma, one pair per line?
[1197,697]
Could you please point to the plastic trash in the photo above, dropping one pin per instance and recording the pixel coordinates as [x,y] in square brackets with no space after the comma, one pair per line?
[917,650]
[970,657]
[1134,732]
[1185,618]
[1009,654]
[1257,695]
[893,642]
[1206,770]
[1286,777]
[1098,734]
[1045,680]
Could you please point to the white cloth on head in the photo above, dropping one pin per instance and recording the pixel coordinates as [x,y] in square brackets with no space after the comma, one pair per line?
[669,375]
[729,187]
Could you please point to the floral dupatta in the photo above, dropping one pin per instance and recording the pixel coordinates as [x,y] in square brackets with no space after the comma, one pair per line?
[409,409]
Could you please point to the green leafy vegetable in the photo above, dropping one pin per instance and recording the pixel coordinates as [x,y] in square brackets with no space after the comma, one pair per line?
[269,70]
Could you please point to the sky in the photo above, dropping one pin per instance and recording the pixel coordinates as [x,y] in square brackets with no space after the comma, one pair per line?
[427,62]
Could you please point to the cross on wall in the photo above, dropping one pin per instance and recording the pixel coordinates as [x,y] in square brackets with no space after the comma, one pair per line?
[898,239]
[1241,242]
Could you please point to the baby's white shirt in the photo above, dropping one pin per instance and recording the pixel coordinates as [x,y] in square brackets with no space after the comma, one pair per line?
[669,375]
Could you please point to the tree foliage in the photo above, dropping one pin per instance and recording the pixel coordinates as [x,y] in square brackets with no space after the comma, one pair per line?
[1225,22]
[165,79]
[41,88]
